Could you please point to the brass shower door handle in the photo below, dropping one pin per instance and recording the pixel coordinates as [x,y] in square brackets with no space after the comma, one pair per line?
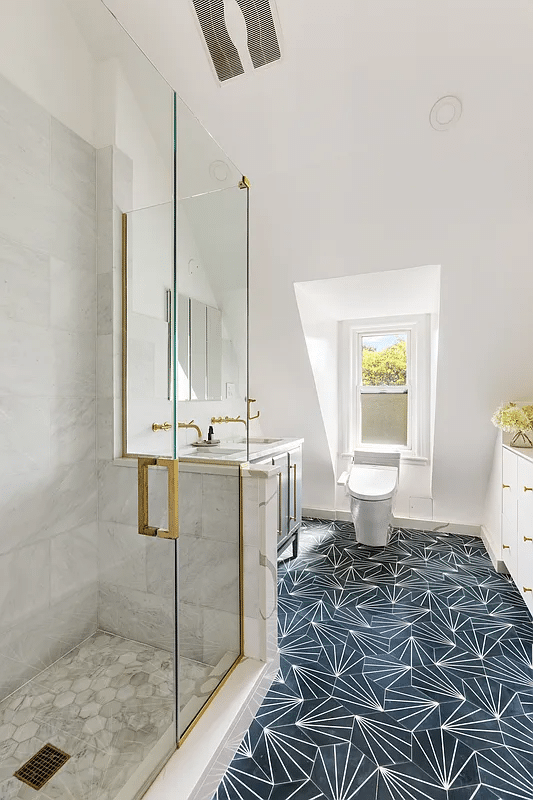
[145,529]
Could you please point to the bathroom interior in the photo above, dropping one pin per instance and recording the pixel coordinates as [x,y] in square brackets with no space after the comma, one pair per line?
[193,469]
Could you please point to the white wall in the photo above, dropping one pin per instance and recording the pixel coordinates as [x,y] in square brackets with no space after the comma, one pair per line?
[43,53]
[352,179]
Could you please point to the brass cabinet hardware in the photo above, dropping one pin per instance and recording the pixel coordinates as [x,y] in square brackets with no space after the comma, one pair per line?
[164,426]
[256,416]
[505,547]
[190,425]
[145,529]
[528,539]
[244,183]
[527,590]
[279,503]
[505,486]
[528,488]
[216,420]
[293,466]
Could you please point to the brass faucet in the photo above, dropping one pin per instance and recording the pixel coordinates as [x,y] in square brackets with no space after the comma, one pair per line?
[190,425]
[214,420]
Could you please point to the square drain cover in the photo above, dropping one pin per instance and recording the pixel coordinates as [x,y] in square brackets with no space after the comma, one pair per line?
[40,767]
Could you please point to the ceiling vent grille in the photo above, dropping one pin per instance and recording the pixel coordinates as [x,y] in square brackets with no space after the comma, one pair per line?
[223,52]
[262,39]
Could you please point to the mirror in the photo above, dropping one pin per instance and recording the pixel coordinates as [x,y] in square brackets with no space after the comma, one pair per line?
[199,350]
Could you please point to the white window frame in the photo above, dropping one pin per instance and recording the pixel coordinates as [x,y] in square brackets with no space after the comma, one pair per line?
[418,330]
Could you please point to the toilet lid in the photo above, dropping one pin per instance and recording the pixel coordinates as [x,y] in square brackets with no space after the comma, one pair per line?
[372,483]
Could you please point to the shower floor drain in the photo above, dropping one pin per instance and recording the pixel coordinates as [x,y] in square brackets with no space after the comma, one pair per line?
[40,767]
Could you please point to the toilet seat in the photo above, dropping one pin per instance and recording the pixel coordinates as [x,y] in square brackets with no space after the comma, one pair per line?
[372,482]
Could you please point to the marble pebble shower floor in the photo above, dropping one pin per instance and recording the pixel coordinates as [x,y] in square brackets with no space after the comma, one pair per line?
[106,704]
[406,674]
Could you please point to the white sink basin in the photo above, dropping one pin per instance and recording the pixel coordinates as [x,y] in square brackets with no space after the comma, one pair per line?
[215,452]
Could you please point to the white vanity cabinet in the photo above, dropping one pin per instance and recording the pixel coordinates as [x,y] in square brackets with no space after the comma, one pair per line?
[517,518]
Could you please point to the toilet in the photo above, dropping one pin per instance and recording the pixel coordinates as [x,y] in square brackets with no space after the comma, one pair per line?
[371,484]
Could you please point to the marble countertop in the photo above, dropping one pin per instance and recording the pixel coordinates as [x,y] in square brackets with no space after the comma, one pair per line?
[235,451]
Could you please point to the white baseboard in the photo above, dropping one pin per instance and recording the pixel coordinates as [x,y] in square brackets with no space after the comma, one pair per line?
[499,566]
[399,522]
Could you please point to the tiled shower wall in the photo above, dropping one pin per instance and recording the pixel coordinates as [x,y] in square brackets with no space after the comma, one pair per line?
[48,495]
[136,573]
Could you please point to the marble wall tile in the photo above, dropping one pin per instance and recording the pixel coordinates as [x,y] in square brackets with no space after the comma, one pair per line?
[221,632]
[14,674]
[117,493]
[209,573]
[104,366]
[251,584]
[40,504]
[104,178]
[105,234]
[141,368]
[72,430]
[105,303]
[74,232]
[122,555]
[24,434]
[141,616]
[190,503]
[73,166]
[25,282]
[73,561]
[74,364]
[104,428]
[220,508]
[72,297]
[26,359]
[160,567]
[190,631]
[24,582]
[24,131]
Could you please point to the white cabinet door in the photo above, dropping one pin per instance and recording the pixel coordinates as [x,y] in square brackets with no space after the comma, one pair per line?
[510,549]
[525,529]
[509,485]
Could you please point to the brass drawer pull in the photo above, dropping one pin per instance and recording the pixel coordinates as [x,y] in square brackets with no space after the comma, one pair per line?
[294,491]
[505,486]
[528,488]
[505,547]
[279,502]
[527,590]
[528,539]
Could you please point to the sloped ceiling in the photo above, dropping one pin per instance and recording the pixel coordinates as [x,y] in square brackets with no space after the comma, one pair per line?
[349,177]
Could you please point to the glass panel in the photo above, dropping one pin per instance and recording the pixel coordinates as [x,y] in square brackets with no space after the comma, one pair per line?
[212,267]
[384,418]
[149,335]
[384,359]
[88,632]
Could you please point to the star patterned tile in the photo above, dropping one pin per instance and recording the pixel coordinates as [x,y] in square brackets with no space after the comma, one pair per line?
[406,673]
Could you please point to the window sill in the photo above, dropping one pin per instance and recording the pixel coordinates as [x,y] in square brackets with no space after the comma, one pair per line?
[419,461]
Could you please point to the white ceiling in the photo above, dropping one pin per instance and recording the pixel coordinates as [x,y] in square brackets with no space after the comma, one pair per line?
[352,96]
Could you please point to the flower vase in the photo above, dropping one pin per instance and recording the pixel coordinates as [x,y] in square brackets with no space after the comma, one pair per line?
[521,439]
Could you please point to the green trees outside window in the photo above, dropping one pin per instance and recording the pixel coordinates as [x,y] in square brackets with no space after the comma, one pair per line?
[386,367]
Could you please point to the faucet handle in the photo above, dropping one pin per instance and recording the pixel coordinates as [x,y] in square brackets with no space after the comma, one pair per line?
[164,426]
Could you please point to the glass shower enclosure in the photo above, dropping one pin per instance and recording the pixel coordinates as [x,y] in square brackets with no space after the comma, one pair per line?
[134,665]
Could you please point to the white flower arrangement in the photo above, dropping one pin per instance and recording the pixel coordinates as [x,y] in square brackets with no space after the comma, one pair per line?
[515,419]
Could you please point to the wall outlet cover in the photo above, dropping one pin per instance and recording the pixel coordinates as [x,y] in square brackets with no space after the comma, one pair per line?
[230,390]
[421,507]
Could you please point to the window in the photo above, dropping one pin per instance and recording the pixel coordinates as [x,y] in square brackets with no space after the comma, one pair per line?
[385,391]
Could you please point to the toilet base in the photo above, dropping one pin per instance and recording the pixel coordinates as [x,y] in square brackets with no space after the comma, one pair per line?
[371,521]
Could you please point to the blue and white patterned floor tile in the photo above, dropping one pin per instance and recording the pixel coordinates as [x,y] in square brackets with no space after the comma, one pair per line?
[406,674]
